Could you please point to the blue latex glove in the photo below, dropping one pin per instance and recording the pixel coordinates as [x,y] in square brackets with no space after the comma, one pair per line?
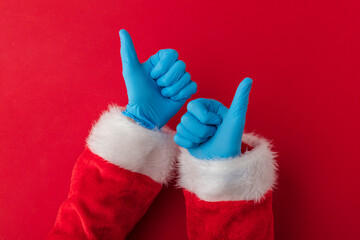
[157,88]
[209,130]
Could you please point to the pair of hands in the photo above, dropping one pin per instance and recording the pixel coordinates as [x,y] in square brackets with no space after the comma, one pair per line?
[159,87]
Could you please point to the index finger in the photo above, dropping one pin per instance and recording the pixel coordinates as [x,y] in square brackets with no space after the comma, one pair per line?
[203,110]
[162,61]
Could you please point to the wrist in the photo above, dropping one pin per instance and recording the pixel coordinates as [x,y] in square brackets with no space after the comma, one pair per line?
[218,152]
[142,121]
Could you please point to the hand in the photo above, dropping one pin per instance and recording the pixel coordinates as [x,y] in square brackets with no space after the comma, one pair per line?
[157,88]
[211,131]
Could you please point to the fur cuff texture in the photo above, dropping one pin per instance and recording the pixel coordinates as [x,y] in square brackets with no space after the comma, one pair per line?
[247,177]
[122,142]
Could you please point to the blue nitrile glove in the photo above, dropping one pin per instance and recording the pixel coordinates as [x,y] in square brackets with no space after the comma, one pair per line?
[157,88]
[211,131]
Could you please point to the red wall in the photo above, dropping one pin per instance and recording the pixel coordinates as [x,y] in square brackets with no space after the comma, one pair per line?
[60,67]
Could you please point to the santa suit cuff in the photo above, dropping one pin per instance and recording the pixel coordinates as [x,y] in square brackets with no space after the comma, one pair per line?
[246,177]
[125,143]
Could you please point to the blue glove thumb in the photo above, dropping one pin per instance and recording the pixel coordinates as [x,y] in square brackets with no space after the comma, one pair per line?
[231,130]
[235,118]
[127,51]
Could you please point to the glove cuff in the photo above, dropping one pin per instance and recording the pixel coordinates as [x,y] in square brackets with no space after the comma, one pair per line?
[142,122]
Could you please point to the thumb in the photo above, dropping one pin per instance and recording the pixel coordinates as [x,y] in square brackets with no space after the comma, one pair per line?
[127,50]
[240,102]
[229,133]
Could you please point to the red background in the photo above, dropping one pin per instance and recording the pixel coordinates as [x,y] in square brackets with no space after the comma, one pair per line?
[60,67]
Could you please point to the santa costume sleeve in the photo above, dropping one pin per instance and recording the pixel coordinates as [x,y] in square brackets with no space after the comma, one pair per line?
[230,198]
[114,181]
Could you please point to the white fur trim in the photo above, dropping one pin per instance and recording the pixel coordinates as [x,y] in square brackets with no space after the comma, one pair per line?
[247,177]
[128,145]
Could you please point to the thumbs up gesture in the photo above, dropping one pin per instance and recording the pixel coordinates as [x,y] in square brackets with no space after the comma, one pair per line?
[209,130]
[157,88]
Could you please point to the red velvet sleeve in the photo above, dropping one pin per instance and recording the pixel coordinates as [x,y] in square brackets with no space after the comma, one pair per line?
[114,181]
[229,219]
[104,202]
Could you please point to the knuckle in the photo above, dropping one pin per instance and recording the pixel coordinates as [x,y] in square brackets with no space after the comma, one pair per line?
[177,140]
[204,118]
[192,87]
[197,140]
[191,105]
[186,143]
[171,52]
[187,76]
[195,85]
[161,81]
[165,91]
[170,91]
[182,64]
[185,118]
[160,53]
[158,69]
[179,128]
[208,131]
[204,112]
[191,144]
[166,80]
[204,131]
[180,95]
[174,53]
